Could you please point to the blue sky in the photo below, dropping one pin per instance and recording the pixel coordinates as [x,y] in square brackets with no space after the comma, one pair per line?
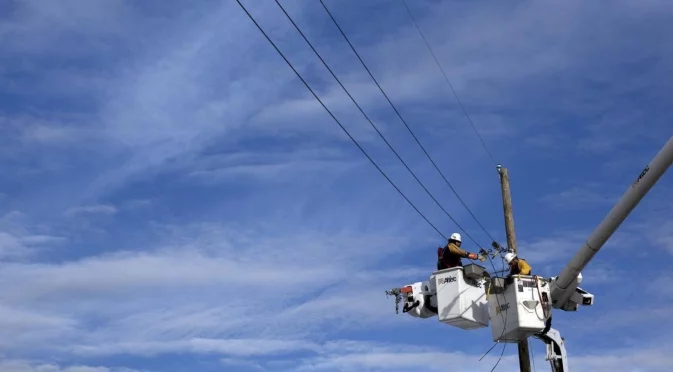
[174,199]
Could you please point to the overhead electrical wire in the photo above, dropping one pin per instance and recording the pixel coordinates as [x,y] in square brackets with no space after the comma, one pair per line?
[481,139]
[504,346]
[403,121]
[503,317]
[337,120]
[381,135]
[502,352]
[446,78]
[374,125]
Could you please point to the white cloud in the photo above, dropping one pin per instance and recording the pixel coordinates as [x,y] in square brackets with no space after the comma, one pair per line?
[400,359]
[31,129]
[347,355]
[207,80]
[41,239]
[147,123]
[549,249]
[204,280]
[16,320]
[18,240]
[91,209]
[628,360]
[102,275]
[49,134]
[16,365]
[137,203]
[10,245]
[579,198]
[659,290]
[549,254]
[233,362]
[602,274]
[272,166]
[663,236]
[403,358]
[236,348]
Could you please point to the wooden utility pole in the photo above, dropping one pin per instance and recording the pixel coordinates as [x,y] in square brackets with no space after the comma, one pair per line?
[524,354]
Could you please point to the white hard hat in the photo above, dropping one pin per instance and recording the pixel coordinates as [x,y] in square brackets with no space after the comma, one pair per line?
[455,236]
[509,257]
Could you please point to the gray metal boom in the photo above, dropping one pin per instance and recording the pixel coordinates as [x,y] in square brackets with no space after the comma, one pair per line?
[560,291]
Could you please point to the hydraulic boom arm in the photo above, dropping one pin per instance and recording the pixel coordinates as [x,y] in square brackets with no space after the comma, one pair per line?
[468,297]
[565,285]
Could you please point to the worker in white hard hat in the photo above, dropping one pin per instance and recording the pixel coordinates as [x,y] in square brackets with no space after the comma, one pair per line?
[517,266]
[451,254]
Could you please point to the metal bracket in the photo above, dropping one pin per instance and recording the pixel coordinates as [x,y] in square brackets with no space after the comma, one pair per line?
[492,252]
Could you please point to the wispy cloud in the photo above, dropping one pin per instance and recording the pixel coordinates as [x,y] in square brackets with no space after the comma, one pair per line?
[272,166]
[193,271]
[261,224]
[17,365]
[663,236]
[652,359]
[253,347]
[91,209]
[579,198]
[548,249]
[18,240]
[21,245]
[32,130]
[401,359]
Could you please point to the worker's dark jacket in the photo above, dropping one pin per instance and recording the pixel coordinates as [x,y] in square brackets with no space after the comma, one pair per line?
[450,256]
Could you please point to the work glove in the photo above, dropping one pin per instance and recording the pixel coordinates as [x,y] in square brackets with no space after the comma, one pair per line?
[472,256]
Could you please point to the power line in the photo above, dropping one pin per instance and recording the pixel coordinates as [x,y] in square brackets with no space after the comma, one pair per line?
[500,357]
[504,318]
[337,120]
[402,119]
[448,82]
[372,123]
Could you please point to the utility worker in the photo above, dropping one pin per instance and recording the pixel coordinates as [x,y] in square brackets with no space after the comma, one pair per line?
[517,266]
[450,255]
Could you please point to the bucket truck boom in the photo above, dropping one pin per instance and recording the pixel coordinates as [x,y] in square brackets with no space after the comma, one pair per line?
[520,306]
[565,293]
